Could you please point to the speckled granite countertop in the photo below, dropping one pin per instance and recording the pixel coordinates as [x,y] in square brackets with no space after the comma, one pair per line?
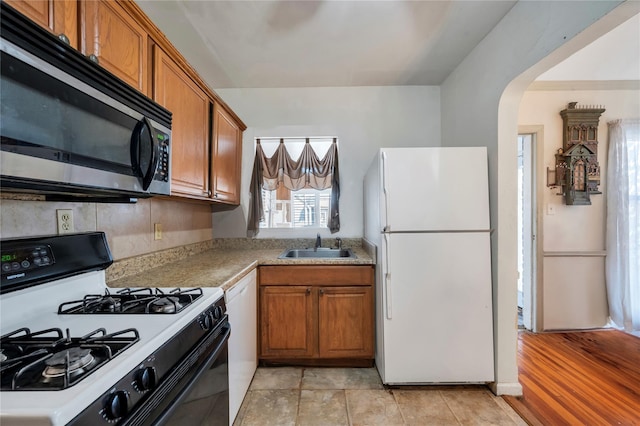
[223,267]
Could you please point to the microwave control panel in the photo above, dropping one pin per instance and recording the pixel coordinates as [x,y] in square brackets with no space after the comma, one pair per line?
[162,172]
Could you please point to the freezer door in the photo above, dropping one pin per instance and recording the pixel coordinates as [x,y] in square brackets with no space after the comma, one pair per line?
[441,189]
[435,308]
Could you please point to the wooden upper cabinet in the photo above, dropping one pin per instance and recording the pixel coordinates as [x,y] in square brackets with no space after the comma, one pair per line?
[226,157]
[58,16]
[173,89]
[116,39]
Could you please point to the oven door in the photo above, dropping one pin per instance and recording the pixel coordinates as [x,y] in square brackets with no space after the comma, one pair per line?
[197,390]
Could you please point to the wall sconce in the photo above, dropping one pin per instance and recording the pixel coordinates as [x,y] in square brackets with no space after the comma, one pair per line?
[577,169]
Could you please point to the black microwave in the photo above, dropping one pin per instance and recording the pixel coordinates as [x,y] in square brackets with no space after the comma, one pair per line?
[69,128]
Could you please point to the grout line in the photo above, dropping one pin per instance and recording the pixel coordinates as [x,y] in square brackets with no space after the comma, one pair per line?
[393,394]
[297,420]
[449,407]
[346,404]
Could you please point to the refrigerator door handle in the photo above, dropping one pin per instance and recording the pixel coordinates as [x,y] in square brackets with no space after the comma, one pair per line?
[387,278]
[385,190]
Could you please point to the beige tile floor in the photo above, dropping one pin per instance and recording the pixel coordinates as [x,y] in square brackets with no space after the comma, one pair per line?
[355,396]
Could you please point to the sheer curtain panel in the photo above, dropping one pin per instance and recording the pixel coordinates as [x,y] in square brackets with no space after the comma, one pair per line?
[623,224]
[308,172]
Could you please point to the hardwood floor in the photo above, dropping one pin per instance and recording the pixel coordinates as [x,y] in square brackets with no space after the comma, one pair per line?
[579,378]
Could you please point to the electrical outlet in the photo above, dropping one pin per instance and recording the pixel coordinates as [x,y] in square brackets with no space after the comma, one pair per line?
[65,221]
[157,231]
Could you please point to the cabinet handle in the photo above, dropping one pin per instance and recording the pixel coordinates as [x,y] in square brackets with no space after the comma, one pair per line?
[94,58]
[321,291]
[215,195]
[308,291]
[64,38]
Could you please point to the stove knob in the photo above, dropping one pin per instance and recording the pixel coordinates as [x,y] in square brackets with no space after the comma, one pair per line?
[145,379]
[117,405]
[217,312]
[205,321]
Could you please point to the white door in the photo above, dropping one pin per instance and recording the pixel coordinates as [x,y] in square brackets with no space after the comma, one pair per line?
[437,308]
[435,189]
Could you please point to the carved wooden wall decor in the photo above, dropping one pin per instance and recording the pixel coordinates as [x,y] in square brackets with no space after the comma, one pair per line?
[577,168]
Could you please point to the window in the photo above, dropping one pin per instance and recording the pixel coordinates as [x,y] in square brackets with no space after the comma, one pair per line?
[295,184]
[304,208]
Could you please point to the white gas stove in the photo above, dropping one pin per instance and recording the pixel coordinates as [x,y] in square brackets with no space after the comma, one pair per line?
[75,351]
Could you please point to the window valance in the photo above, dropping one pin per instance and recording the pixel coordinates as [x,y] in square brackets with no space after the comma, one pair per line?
[308,171]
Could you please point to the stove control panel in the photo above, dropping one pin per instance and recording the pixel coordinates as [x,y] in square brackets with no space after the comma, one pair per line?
[23,259]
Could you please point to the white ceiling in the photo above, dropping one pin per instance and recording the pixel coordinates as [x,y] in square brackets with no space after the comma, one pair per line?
[324,43]
[258,43]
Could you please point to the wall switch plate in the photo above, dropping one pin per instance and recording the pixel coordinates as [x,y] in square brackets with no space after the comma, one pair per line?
[157,231]
[65,221]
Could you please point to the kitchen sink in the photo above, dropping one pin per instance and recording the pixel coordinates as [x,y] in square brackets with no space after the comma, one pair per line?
[319,253]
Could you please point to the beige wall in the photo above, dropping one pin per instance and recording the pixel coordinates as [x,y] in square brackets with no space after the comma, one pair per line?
[573,278]
[129,227]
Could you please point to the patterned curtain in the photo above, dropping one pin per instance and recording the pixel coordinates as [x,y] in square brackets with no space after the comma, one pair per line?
[308,172]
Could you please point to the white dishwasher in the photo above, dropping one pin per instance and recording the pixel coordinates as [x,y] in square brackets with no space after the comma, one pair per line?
[242,309]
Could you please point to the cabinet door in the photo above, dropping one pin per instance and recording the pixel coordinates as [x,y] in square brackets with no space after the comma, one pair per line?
[287,322]
[57,16]
[226,157]
[345,322]
[118,41]
[173,89]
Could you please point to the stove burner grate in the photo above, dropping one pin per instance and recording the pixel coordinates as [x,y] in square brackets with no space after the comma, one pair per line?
[133,301]
[47,360]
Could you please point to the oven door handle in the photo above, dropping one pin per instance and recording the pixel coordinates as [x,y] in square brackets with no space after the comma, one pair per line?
[162,418]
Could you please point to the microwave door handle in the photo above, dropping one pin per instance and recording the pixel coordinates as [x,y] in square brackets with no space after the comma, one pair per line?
[136,144]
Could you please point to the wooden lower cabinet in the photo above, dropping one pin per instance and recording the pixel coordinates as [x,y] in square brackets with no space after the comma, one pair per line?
[329,320]
[345,322]
[288,321]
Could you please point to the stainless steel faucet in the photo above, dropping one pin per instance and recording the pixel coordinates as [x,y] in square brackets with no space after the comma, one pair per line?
[339,243]
[318,242]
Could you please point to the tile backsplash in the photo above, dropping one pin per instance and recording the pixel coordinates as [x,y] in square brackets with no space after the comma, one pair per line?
[129,227]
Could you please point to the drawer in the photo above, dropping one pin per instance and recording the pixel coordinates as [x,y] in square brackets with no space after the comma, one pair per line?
[325,275]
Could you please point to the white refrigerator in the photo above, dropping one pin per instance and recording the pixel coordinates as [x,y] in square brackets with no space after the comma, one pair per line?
[427,212]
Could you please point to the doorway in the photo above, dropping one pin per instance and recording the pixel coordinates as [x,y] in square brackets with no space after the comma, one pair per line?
[526,230]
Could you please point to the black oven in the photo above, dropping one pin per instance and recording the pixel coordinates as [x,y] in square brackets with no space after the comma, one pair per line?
[175,386]
[71,127]
[201,397]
